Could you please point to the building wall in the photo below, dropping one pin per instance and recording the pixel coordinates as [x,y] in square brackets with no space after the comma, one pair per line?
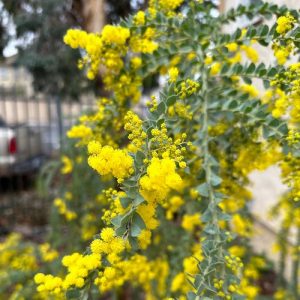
[19,103]
[266,186]
[15,80]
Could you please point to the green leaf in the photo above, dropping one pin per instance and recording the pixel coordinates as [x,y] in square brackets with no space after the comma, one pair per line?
[173,49]
[267,132]
[139,157]
[233,104]
[133,243]
[171,100]
[160,18]
[137,225]
[125,201]
[131,192]
[225,68]
[237,34]
[247,80]
[263,42]
[138,200]
[72,294]
[121,230]
[212,161]
[223,216]
[283,129]
[260,67]
[250,68]
[117,221]
[237,69]
[274,123]
[215,179]
[203,189]
[262,72]
[266,84]
[192,296]
[264,30]
[251,32]
[198,280]
[161,109]
[186,49]
[206,216]
[272,72]
[211,229]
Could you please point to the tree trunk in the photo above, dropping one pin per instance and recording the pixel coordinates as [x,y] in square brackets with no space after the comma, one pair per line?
[93,15]
[89,14]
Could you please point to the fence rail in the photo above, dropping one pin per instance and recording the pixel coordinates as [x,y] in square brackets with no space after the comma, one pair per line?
[51,116]
[38,122]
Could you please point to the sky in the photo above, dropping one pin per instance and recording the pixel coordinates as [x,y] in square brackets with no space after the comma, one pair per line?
[10,49]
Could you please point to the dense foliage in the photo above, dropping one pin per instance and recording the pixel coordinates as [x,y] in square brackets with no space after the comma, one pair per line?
[165,213]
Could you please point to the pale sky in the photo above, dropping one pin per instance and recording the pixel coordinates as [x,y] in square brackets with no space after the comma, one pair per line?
[10,49]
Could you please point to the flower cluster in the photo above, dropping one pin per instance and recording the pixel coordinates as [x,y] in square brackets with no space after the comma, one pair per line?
[109,245]
[190,222]
[115,35]
[187,88]
[250,89]
[108,50]
[237,51]
[233,262]
[285,23]
[172,206]
[63,209]
[48,283]
[144,43]
[133,124]
[47,253]
[78,266]
[106,160]
[67,165]
[79,132]
[173,74]
[153,104]
[169,5]
[139,270]
[166,147]
[160,179]
[148,214]
[115,208]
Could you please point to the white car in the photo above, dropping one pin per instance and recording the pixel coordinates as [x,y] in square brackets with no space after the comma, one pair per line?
[20,149]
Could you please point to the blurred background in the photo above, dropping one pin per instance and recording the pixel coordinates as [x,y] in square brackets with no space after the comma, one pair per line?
[42,93]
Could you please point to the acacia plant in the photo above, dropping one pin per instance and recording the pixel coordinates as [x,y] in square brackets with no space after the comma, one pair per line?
[176,222]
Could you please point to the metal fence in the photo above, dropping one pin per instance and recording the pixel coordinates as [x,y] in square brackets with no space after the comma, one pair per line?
[32,127]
